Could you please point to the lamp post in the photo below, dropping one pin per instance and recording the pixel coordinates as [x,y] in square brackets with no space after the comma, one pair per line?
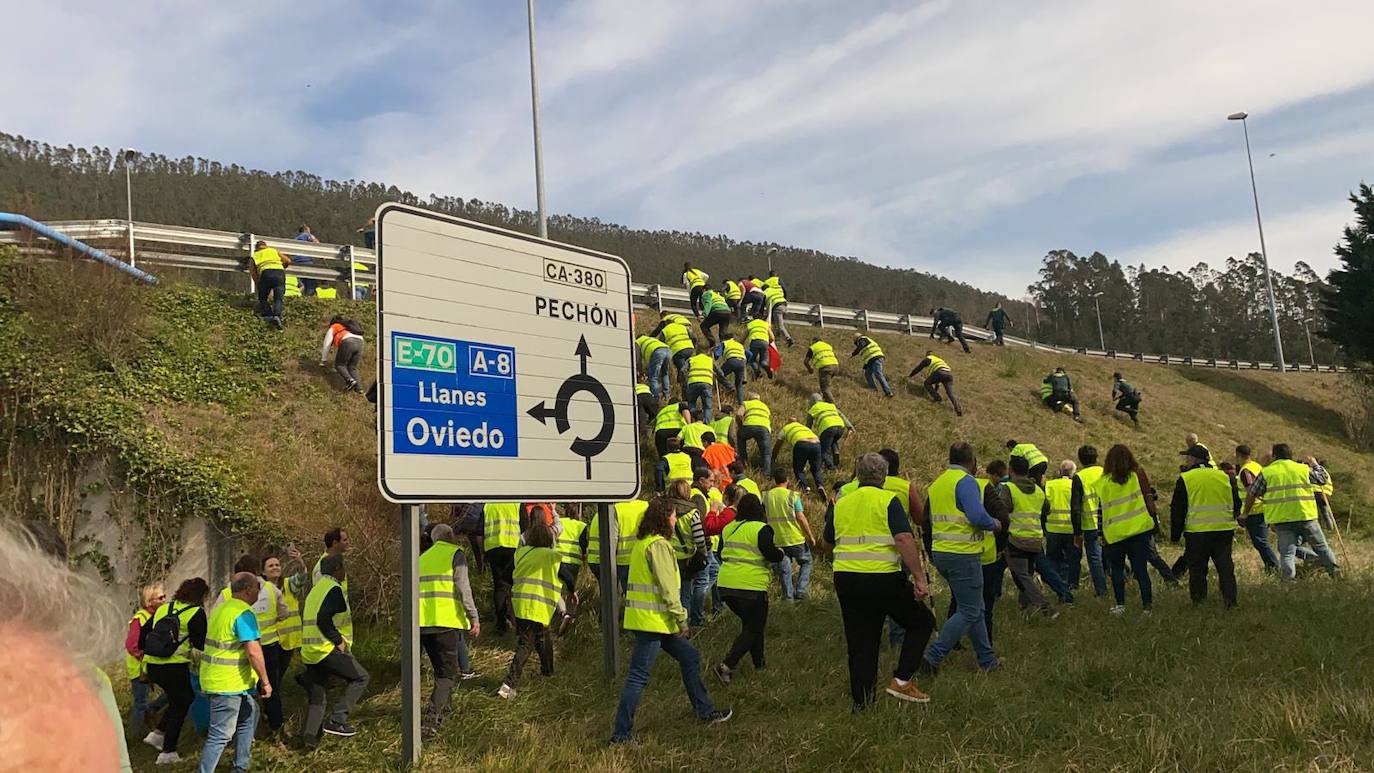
[1264,254]
[1101,339]
[1311,354]
[129,155]
[538,141]
[769,254]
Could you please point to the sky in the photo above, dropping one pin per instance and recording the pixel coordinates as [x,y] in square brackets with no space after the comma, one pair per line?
[960,138]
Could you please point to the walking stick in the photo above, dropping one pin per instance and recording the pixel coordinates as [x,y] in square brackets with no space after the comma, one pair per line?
[1345,554]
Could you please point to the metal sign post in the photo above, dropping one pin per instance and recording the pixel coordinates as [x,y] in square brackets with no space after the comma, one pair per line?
[506,374]
[609,536]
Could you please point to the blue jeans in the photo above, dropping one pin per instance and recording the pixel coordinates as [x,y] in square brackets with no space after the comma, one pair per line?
[874,375]
[735,367]
[657,371]
[1137,549]
[642,659]
[763,439]
[830,447]
[757,358]
[712,573]
[680,365]
[1259,537]
[804,455]
[1092,546]
[230,715]
[141,707]
[693,590]
[1049,572]
[1309,532]
[1066,557]
[802,555]
[964,574]
[700,393]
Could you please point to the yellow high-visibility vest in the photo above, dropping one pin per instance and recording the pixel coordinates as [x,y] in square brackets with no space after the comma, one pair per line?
[627,517]
[289,632]
[646,609]
[1025,512]
[1030,453]
[1210,502]
[132,665]
[989,554]
[701,369]
[224,666]
[535,594]
[669,417]
[863,540]
[501,525]
[693,435]
[1124,513]
[678,337]
[1091,507]
[780,506]
[742,565]
[1288,496]
[679,466]
[1060,493]
[757,414]
[823,355]
[871,351]
[950,529]
[795,432]
[935,365]
[267,259]
[750,486]
[647,346]
[732,290]
[758,330]
[184,614]
[732,350]
[439,607]
[570,541]
[1253,467]
[314,646]
[824,416]
[268,619]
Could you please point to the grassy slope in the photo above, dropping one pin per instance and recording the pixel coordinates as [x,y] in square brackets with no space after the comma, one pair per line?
[1283,682]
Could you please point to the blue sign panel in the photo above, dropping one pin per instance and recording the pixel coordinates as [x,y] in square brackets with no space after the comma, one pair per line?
[452,398]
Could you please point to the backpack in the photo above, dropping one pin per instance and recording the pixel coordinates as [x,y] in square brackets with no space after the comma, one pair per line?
[164,637]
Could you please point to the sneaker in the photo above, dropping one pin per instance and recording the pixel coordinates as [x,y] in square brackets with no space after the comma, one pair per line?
[154,739]
[723,674]
[505,691]
[168,758]
[565,625]
[719,716]
[1118,610]
[1052,614]
[1147,612]
[466,675]
[341,729]
[906,692]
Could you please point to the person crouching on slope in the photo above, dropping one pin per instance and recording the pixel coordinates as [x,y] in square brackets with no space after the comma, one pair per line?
[534,599]
[345,338]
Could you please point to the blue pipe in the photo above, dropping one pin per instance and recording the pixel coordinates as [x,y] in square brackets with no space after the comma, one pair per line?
[67,241]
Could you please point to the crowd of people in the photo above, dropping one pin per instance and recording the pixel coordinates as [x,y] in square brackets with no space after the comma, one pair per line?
[713,538]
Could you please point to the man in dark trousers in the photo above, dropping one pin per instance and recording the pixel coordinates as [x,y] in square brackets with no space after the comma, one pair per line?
[998,320]
[949,325]
[1061,392]
[1205,510]
[326,649]
[1126,396]
[937,372]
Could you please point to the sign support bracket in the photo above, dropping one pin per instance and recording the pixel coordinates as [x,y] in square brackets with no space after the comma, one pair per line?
[410,636]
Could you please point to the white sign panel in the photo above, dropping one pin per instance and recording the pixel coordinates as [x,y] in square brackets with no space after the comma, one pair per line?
[506,366]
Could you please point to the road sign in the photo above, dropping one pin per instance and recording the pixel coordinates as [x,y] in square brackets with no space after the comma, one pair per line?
[505,367]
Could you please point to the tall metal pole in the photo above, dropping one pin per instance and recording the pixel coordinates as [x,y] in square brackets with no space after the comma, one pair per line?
[538,140]
[1311,354]
[610,594]
[129,200]
[1264,254]
[410,636]
[1101,339]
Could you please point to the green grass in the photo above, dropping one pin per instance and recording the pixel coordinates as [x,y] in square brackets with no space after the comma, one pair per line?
[1284,682]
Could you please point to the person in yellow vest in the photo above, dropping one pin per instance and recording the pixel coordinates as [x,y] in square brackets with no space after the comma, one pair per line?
[994,545]
[448,616]
[820,359]
[627,518]
[674,465]
[1035,458]
[231,671]
[681,344]
[715,324]
[825,419]
[502,525]
[151,597]
[1062,549]
[757,336]
[699,393]
[648,405]
[1085,511]
[1191,440]
[268,269]
[1129,523]
[936,373]
[756,424]
[327,292]
[654,356]
[957,520]
[668,423]
[741,478]
[1205,510]
[572,546]
[708,502]
[873,359]
[272,614]
[872,541]
[748,551]
[792,535]
[1247,470]
[1026,541]
[361,287]
[293,287]
[1324,493]
[753,303]
[326,649]
[731,363]
[723,427]
[336,543]
[1290,507]
[806,451]
[167,655]
[694,279]
[775,295]
[535,600]
[293,589]
[654,613]
[733,294]
[690,545]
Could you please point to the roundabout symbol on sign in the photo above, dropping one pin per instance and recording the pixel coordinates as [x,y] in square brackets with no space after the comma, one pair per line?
[580,382]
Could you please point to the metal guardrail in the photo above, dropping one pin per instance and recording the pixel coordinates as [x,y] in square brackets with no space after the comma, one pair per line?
[202,249]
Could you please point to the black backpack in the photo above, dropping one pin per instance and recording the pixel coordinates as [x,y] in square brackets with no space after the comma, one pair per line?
[164,637]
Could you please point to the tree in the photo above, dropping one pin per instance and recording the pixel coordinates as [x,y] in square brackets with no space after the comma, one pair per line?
[1346,303]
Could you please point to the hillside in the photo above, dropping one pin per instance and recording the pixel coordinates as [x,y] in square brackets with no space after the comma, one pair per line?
[196,409]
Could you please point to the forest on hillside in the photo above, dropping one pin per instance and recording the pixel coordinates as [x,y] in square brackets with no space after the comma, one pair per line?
[1205,312]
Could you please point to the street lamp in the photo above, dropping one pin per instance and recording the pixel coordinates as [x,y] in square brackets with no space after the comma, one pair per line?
[538,141]
[1312,355]
[771,252]
[129,154]
[1264,255]
[1101,339]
